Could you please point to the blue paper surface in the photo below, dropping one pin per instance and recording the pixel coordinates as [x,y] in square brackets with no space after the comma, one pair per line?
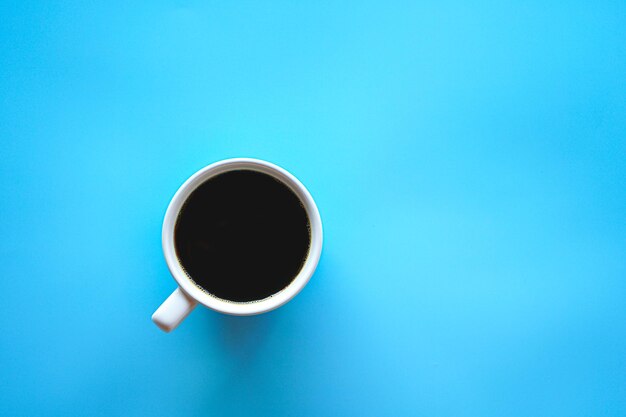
[468,161]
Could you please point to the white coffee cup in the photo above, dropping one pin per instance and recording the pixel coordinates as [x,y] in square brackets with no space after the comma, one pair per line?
[183,300]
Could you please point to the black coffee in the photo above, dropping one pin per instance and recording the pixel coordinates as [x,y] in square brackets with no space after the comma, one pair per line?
[242,236]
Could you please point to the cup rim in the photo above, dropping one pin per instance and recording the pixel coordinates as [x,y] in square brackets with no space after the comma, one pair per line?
[230,307]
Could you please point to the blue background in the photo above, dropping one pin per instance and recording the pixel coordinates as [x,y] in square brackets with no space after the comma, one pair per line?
[468,160]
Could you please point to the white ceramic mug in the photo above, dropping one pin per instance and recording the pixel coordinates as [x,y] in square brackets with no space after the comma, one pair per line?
[183,300]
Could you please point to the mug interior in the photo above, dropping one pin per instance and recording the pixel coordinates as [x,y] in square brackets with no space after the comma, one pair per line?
[233,307]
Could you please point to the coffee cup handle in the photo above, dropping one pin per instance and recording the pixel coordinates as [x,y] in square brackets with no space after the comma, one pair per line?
[173,310]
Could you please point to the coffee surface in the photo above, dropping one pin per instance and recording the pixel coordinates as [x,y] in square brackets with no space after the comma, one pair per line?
[242,236]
